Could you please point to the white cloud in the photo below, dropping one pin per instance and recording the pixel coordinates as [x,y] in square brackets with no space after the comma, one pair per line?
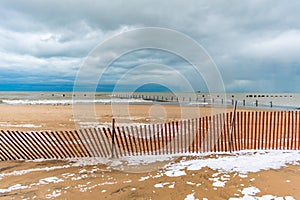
[284,47]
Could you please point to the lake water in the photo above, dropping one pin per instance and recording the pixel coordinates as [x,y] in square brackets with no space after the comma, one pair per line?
[275,100]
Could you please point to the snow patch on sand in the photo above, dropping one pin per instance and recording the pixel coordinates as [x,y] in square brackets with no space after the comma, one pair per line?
[250,194]
[190,197]
[14,187]
[161,185]
[241,162]
[50,180]
[26,171]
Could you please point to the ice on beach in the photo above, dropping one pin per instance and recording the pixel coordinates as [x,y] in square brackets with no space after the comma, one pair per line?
[161,185]
[190,183]
[190,197]
[240,162]
[218,184]
[251,192]
[55,193]
[25,171]
[144,178]
[14,187]
[50,180]
[175,173]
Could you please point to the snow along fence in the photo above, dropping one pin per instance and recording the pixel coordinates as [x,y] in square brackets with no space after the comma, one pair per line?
[278,130]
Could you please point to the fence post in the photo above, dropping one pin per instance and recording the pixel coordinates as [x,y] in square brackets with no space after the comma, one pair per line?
[113,138]
[231,127]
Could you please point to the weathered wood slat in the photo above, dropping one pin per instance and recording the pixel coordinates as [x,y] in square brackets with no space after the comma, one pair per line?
[251,130]
[78,143]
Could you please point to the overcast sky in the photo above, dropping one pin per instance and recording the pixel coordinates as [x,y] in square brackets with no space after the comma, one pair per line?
[255,44]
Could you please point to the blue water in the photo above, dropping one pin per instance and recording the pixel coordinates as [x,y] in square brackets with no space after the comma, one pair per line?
[69,88]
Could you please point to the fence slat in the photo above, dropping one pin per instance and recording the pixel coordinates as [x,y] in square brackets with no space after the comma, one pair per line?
[69,143]
[288,130]
[185,136]
[177,137]
[282,131]
[292,130]
[197,132]
[276,130]
[27,149]
[121,141]
[251,130]
[271,126]
[122,131]
[7,148]
[223,139]
[296,125]
[119,148]
[150,139]
[37,153]
[266,133]
[134,140]
[129,136]
[154,140]
[181,137]
[238,131]
[158,139]
[11,146]
[244,130]
[46,144]
[37,144]
[59,144]
[74,136]
[298,122]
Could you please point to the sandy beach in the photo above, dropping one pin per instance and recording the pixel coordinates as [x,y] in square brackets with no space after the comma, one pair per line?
[75,179]
[60,117]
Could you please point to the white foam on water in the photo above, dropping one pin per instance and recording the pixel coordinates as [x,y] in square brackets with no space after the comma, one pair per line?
[7,124]
[70,101]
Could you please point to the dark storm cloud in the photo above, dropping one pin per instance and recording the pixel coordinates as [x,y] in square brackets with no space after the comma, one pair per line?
[255,44]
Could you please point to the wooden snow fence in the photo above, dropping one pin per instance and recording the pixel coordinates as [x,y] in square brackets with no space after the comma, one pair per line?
[269,130]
